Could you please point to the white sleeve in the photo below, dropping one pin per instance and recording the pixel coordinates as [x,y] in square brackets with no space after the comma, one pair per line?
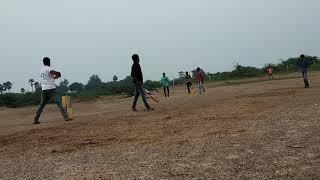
[48,71]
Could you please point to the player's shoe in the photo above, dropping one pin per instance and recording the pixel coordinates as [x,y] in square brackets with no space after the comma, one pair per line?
[36,122]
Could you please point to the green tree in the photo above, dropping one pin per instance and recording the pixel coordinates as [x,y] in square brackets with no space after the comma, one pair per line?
[37,86]
[1,88]
[245,71]
[63,86]
[31,81]
[152,85]
[23,90]
[8,86]
[94,82]
[115,78]
[76,87]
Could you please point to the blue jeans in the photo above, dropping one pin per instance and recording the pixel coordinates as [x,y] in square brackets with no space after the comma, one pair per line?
[305,79]
[139,90]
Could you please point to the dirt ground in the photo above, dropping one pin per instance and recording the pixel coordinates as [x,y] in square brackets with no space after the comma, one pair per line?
[262,130]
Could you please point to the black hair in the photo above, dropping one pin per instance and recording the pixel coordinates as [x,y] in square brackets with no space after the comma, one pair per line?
[46,61]
[302,56]
[135,58]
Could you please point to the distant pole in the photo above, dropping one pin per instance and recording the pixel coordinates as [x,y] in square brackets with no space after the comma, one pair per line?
[287,68]
[173,82]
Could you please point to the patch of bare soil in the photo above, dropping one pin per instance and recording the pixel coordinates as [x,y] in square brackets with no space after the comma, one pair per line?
[266,130]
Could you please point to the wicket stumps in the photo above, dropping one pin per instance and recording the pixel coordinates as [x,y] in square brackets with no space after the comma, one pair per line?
[67,104]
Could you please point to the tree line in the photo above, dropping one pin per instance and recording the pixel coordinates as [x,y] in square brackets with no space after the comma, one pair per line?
[284,66]
[95,87]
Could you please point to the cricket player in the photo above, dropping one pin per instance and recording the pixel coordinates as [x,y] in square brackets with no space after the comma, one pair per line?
[48,77]
[200,80]
[188,82]
[304,70]
[165,84]
[137,76]
[270,72]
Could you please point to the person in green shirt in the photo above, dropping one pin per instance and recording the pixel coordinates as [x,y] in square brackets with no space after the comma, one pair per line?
[165,82]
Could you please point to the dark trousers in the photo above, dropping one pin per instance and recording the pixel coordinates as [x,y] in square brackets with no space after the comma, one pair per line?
[305,79]
[166,91]
[189,84]
[270,76]
[45,97]
[139,90]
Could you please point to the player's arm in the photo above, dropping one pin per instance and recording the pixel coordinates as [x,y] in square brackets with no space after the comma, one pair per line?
[135,79]
[133,74]
[55,74]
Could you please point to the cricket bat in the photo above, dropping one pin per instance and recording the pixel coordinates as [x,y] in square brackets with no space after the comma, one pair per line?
[67,104]
[154,98]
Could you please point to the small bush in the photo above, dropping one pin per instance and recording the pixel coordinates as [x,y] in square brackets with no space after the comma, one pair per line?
[13,100]
[315,67]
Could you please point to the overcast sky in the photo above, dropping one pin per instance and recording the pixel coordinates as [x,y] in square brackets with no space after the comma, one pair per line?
[85,37]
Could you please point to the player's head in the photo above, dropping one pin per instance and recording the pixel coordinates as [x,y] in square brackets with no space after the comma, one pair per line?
[187,73]
[46,61]
[135,58]
[164,74]
[198,69]
[302,56]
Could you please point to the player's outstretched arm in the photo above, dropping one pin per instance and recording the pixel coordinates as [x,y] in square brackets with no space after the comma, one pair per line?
[55,74]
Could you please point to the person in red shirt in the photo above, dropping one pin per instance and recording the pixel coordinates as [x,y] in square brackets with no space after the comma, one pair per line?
[200,80]
[270,72]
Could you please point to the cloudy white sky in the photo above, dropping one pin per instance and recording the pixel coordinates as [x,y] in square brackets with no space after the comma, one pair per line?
[85,37]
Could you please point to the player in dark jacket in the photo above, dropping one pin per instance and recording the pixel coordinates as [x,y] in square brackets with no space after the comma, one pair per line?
[304,64]
[137,76]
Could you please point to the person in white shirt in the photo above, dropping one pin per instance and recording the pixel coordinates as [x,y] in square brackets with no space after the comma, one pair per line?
[48,77]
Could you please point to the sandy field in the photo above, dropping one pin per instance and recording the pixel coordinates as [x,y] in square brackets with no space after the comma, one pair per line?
[259,130]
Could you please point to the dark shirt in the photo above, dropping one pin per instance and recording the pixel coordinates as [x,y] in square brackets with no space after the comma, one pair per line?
[136,73]
[304,66]
[188,79]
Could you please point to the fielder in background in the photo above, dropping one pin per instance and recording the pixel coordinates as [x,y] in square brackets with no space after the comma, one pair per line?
[165,82]
[48,77]
[200,80]
[188,82]
[270,72]
[304,64]
[137,76]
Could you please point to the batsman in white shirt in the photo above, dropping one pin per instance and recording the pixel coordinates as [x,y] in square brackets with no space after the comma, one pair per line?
[48,77]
